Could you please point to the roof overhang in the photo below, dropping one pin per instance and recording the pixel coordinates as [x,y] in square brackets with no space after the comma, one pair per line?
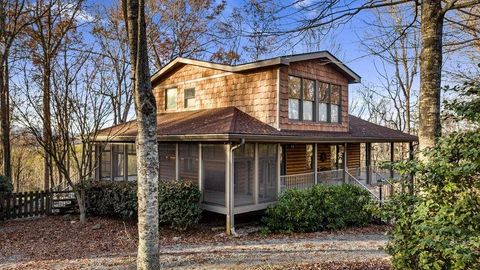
[254,138]
[282,60]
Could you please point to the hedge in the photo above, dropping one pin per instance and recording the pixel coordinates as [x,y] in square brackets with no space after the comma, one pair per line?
[320,208]
[178,201]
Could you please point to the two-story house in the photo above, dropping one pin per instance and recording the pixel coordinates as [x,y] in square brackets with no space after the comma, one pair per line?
[247,132]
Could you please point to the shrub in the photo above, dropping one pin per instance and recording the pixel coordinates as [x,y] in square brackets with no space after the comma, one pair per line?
[439,226]
[179,202]
[320,208]
[6,186]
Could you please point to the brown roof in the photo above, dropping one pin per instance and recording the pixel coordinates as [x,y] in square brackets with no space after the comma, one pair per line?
[231,123]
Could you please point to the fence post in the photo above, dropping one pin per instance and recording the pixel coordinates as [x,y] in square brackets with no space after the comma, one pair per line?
[25,204]
[36,203]
[2,208]
[42,203]
[48,195]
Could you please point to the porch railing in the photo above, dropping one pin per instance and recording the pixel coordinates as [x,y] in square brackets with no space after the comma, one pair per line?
[297,181]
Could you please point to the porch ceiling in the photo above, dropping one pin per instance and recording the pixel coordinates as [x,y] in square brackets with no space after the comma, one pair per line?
[231,124]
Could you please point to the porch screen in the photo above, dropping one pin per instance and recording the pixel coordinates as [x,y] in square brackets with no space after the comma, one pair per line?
[131,162]
[213,166]
[166,153]
[267,172]
[118,161]
[244,167]
[188,162]
[105,162]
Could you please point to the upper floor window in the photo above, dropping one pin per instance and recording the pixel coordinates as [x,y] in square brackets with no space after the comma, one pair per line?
[310,100]
[189,98]
[171,99]
[294,97]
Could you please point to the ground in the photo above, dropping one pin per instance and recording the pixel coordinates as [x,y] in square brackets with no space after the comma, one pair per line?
[60,242]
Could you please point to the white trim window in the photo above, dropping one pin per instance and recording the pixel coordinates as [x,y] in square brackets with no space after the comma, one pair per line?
[189,98]
[171,99]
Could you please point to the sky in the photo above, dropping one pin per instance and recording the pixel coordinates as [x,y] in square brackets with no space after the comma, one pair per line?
[344,42]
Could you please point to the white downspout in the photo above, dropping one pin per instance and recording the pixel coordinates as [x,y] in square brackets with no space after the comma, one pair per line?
[231,190]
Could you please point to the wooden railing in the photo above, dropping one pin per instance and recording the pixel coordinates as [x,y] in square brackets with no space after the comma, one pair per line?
[38,203]
[297,181]
[25,204]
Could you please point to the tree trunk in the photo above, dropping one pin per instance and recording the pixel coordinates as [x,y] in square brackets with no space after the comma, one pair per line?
[46,125]
[430,73]
[4,95]
[80,195]
[147,151]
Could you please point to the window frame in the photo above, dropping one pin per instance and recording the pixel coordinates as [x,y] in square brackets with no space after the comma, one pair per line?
[185,98]
[302,99]
[166,98]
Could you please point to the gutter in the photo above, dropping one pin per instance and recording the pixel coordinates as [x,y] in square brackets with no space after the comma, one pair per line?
[231,191]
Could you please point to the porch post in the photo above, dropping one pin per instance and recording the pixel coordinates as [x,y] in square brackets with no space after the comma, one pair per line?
[177,162]
[228,190]
[392,157]
[368,161]
[279,168]
[345,164]
[111,162]
[125,162]
[315,163]
[410,157]
[200,171]
[255,176]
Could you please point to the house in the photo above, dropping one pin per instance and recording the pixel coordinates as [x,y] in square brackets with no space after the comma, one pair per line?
[247,132]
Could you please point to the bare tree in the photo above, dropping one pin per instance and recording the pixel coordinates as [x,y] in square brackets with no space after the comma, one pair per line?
[110,34]
[147,146]
[56,21]
[432,18]
[13,20]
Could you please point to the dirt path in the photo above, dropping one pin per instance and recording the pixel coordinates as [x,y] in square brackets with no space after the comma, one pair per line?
[59,243]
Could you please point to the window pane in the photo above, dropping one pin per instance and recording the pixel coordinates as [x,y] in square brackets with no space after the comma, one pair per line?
[267,172]
[106,162]
[166,153]
[308,89]
[243,175]
[323,92]
[293,108]
[335,98]
[118,162]
[213,161]
[322,112]
[171,99]
[294,87]
[189,96]
[131,162]
[308,110]
[188,162]
[334,114]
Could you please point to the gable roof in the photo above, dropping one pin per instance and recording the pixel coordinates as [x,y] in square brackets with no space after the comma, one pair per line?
[230,123]
[281,60]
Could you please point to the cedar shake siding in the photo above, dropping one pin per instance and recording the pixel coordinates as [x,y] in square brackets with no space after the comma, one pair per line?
[320,71]
[253,92]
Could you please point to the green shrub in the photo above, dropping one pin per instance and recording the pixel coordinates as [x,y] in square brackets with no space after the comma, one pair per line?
[179,202]
[6,186]
[439,226]
[320,208]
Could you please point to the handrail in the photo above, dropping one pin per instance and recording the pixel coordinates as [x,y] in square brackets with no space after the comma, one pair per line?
[362,185]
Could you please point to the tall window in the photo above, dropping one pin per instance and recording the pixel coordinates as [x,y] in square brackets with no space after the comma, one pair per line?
[189,98]
[131,161]
[188,161]
[171,99]
[335,103]
[118,156]
[308,99]
[105,162]
[323,100]
[294,97]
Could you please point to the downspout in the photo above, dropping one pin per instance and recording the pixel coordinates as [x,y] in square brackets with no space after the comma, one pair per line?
[231,190]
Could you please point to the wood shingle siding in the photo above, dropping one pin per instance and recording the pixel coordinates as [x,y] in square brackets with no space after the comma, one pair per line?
[253,92]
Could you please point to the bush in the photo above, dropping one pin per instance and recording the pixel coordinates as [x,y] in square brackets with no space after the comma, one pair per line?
[439,226]
[179,202]
[320,208]
[6,186]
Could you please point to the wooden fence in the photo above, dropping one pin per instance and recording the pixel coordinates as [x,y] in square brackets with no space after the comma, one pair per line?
[25,204]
